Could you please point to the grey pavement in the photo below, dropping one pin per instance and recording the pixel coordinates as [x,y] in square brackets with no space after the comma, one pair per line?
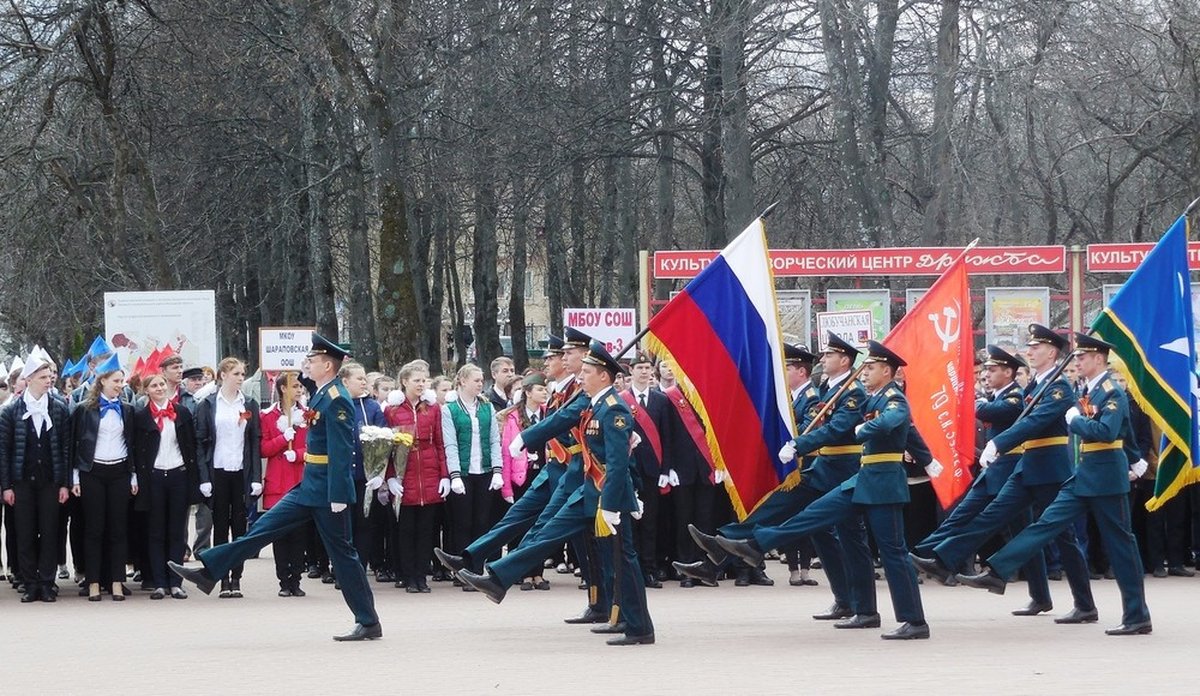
[727,640]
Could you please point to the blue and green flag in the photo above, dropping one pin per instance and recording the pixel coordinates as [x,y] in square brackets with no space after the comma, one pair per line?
[1149,322]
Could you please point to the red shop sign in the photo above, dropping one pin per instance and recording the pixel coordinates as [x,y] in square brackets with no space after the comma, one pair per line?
[1123,258]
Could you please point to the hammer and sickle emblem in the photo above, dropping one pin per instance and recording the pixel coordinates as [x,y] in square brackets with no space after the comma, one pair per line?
[949,332]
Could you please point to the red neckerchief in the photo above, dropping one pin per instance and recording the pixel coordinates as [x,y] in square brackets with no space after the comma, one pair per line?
[158,414]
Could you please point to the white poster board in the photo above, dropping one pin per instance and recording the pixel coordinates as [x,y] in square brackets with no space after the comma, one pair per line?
[283,347]
[795,315]
[138,323]
[1010,311]
[855,327]
[614,327]
[877,302]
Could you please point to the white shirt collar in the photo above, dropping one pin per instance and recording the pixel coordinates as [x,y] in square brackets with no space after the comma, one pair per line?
[1043,375]
[1003,389]
[640,392]
[596,398]
[1091,383]
[834,381]
[237,400]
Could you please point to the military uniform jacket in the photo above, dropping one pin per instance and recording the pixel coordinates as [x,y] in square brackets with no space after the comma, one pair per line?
[836,435]
[558,426]
[329,459]
[801,405]
[999,414]
[1043,433]
[882,480]
[606,432]
[1104,429]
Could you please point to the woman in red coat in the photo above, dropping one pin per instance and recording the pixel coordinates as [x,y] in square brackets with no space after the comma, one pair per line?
[284,430]
[426,481]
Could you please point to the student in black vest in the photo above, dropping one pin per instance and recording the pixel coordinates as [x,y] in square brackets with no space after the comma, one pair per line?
[104,479]
[228,447]
[33,476]
[471,435]
[164,453]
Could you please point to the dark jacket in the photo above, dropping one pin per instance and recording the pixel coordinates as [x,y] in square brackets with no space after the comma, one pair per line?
[680,450]
[659,408]
[366,412]
[85,422]
[13,432]
[146,439]
[206,434]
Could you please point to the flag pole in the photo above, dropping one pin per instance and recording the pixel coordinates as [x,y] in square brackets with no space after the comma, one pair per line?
[1188,210]
[646,329]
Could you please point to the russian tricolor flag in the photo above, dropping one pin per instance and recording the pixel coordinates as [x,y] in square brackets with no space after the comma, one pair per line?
[722,335]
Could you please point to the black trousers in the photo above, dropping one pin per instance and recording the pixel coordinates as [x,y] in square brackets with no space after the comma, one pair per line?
[1166,529]
[471,513]
[229,510]
[360,531]
[693,505]
[105,493]
[289,556]
[415,536]
[314,551]
[70,530]
[10,540]
[645,530]
[382,522]
[166,522]
[36,512]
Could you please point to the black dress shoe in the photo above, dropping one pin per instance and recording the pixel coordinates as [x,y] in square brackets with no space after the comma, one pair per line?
[934,567]
[30,596]
[1180,572]
[687,582]
[836,611]
[296,591]
[487,584]
[618,627]
[908,631]
[985,581]
[589,616]
[708,544]
[860,621]
[744,549]
[1133,629]
[647,639]
[361,632]
[652,582]
[412,589]
[759,578]
[314,572]
[283,592]
[1078,616]
[452,562]
[704,571]
[743,579]
[197,576]
[1054,575]
[1033,609]
[1160,572]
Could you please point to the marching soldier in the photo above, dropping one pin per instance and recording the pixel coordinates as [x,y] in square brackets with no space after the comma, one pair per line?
[878,492]
[322,496]
[1044,465]
[1100,486]
[837,460]
[998,413]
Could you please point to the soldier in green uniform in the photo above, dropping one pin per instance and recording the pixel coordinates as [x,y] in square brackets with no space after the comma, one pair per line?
[322,496]
[1100,486]
[878,491]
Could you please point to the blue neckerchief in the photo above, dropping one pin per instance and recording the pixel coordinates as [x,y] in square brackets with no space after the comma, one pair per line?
[106,406]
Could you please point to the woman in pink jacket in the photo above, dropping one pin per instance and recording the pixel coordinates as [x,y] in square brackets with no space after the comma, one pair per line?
[521,470]
[284,429]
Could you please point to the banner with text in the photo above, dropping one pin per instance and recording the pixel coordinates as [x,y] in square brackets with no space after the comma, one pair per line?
[877,302]
[283,347]
[138,323]
[614,327]
[1010,311]
[854,327]
[1123,258]
[929,261]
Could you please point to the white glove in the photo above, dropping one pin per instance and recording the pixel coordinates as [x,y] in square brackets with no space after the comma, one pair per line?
[1139,468]
[396,488]
[663,481]
[515,447]
[74,477]
[1071,414]
[788,452]
[444,487]
[133,481]
[206,490]
[375,483]
[289,434]
[337,507]
[255,489]
[1133,476]
[634,441]
[612,518]
[382,496]
[641,507]
[497,482]
[718,476]
[289,455]
[988,455]
[859,427]
[673,477]
[934,469]
[457,487]
[429,396]
[508,499]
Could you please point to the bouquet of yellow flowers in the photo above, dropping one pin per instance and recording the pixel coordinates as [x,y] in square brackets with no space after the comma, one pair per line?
[378,444]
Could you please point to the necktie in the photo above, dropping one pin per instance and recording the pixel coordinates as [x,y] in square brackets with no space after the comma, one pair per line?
[106,406]
[642,399]
[160,413]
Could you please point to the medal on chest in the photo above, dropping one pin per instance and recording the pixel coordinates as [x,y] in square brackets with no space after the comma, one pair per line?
[593,428]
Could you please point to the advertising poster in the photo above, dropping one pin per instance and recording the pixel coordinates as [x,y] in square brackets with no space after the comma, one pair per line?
[1010,311]
[877,302]
[138,323]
